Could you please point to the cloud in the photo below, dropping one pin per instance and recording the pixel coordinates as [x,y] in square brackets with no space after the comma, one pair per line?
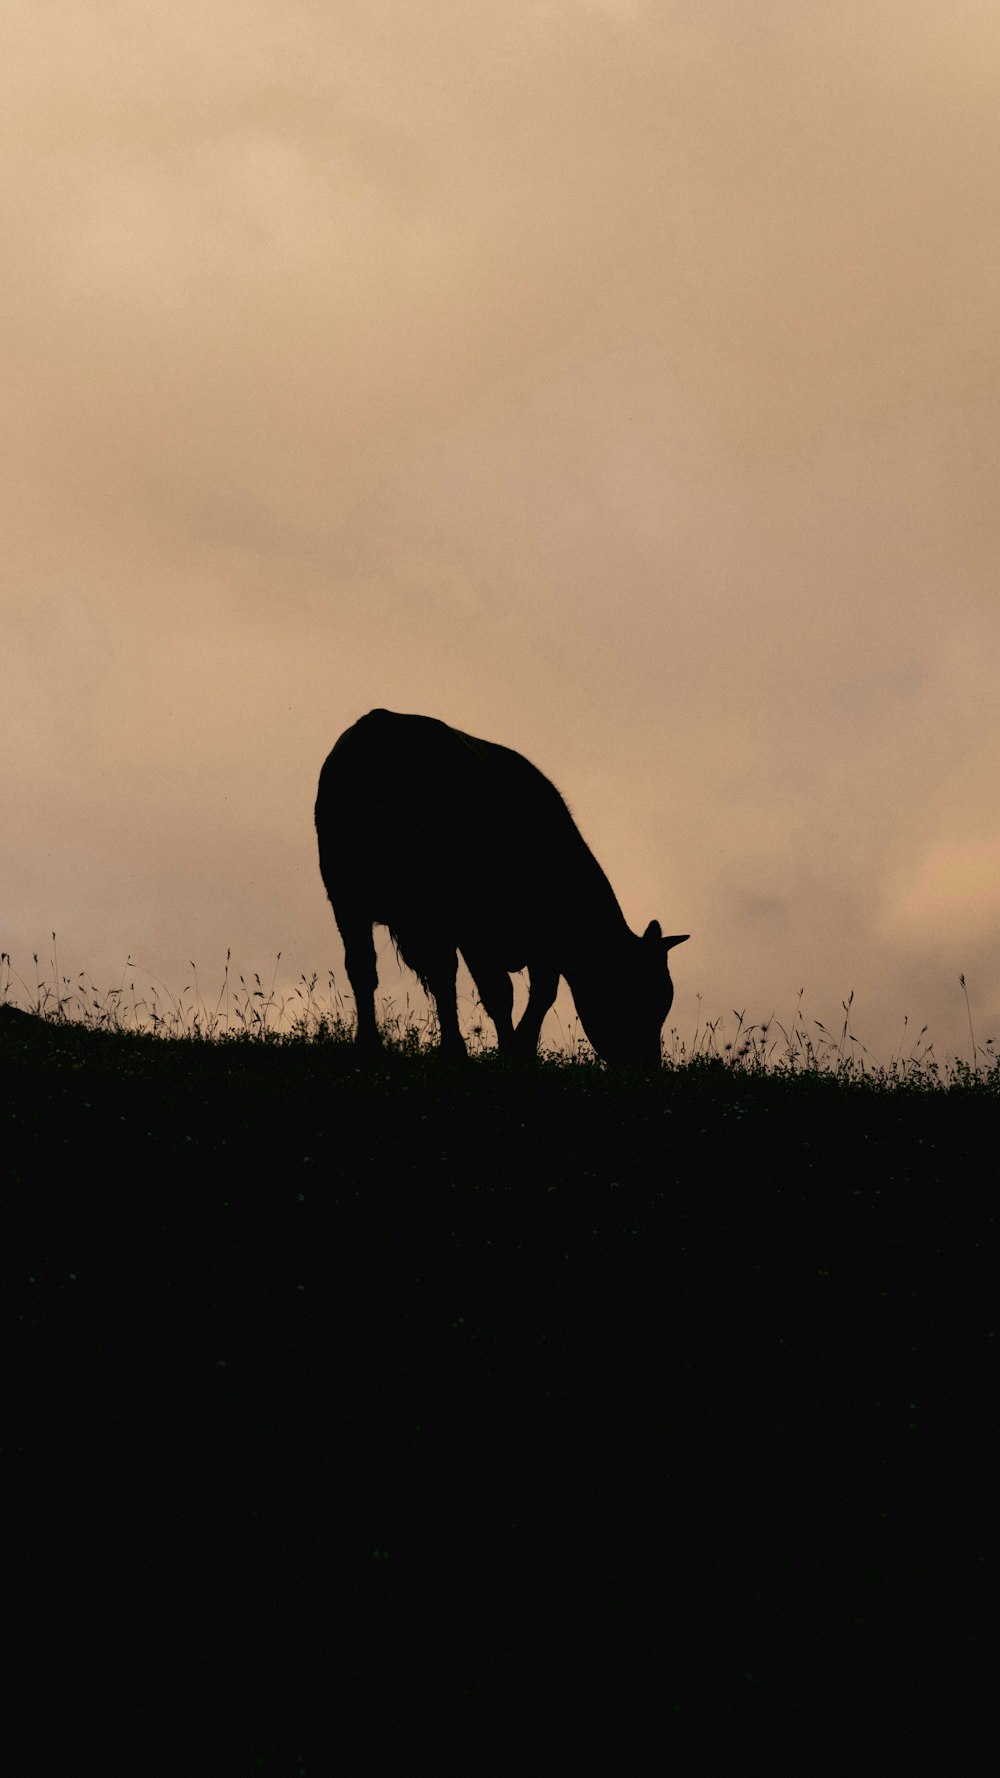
[954,888]
[616,380]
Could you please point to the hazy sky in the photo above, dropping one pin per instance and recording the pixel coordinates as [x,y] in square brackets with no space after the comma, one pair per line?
[617,379]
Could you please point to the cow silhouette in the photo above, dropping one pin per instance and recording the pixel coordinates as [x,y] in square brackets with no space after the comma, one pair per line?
[457,844]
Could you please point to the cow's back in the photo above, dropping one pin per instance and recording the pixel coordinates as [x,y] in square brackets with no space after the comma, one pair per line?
[425,823]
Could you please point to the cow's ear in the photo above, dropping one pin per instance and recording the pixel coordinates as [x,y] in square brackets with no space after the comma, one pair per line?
[679,938]
[652,932]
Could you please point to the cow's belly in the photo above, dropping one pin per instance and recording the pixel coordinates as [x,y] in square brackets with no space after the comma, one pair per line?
[485,932]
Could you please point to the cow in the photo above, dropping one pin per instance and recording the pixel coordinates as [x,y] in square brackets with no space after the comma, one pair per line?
[457,844]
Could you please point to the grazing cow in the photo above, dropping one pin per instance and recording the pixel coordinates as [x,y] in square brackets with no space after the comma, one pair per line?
[457,844]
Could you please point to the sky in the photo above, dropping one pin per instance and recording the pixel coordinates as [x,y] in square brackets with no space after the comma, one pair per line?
[615,379]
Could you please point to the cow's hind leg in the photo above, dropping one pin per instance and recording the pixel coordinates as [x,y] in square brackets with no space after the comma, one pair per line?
[436,963]
[440,980]
[541,994]
[362,973]
[496,992]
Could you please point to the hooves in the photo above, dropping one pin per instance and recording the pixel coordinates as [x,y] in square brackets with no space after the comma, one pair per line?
[372,1049]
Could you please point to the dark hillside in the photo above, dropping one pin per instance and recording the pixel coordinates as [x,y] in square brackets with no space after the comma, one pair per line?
[598,1411]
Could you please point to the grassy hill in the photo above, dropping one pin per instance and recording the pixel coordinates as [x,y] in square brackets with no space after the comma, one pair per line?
[593,1410]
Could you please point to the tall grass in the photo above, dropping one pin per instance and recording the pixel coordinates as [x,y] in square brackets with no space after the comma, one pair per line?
[314,1012]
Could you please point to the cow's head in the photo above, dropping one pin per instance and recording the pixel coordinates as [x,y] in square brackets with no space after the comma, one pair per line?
[623,1001]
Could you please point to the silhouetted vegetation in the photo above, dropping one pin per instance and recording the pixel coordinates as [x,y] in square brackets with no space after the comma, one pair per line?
[656,1393]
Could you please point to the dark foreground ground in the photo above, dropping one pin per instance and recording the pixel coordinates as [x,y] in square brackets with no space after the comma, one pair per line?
[368,1420]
